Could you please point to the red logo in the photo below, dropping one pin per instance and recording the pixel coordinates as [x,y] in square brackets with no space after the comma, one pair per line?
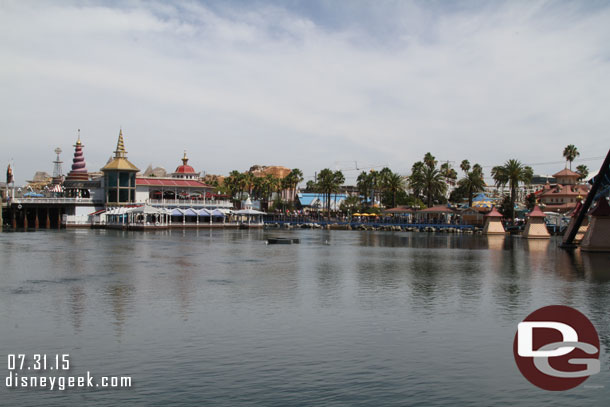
[556,348]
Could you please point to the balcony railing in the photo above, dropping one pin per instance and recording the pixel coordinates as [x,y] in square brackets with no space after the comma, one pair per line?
[41,200]
[191,202]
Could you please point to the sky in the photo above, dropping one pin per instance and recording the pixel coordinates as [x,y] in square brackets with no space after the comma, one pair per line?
[349,85]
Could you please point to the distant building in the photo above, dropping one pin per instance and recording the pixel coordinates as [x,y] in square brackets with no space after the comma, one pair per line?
[564,194]
[275,170]
[316,201]
[183,185]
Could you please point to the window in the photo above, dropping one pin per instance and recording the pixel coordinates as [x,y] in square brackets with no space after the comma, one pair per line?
[123,195]
[124,179]
[112,195]
[111,179]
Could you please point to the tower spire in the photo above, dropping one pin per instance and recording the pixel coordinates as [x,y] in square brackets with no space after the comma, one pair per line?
[120,146]
[185,159]
[79,167]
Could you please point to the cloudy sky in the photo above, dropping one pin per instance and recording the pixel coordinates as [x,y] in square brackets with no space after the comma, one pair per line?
[307,84]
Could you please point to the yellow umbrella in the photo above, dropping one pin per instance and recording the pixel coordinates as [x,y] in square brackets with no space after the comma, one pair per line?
[357,214]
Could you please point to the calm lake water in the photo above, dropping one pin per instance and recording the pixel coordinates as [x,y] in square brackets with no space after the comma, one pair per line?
[218,318]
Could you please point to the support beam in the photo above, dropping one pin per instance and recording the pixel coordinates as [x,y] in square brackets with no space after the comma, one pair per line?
[48,219]
[36,221]
[569,242]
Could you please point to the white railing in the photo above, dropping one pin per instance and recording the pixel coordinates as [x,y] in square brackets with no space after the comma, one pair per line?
[76,220]
[54,200]
[191,202]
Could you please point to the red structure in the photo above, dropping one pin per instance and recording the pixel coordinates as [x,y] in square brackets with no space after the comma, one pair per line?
[79,168]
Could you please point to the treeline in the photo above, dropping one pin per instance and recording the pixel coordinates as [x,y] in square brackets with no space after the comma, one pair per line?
[426,186]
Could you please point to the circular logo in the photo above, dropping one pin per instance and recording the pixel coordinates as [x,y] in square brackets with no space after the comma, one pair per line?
[556,348]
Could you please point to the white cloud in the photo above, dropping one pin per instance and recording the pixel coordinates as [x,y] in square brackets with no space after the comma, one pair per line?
[262,84]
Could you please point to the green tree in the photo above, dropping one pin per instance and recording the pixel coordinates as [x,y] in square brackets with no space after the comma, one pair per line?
[430,160]
[393,184]
[472,182]
[364,183]
[434,184]
[351,204]
[232,184]
[293,180]
[465,166]
[426,179]
[583,170]
[329,182]
[570,152]
[512,173]
[448,173]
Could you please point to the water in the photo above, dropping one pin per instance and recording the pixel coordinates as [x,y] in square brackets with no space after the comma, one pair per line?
[218,318]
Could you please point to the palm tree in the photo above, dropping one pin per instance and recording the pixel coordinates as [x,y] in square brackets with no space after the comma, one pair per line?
[512,173]
[465,166]
[296,177]
[570,153]
[433,183]
[351,204]
[416,180]
[583,170]
[328,182]
[429,160]
[232,184]
[448,173]
[393,183]
[364,184]
[472,182]
[272,184]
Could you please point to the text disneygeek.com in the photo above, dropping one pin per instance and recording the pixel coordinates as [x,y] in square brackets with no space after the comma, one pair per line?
[25,372]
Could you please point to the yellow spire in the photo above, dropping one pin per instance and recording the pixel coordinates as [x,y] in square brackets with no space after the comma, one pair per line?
[120,146]
[185,159]
[78,142]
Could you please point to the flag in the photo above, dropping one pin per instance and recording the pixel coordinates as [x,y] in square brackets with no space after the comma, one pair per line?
[9,175]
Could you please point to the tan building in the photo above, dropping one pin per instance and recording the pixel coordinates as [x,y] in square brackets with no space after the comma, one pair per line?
[493,223]
[535,228]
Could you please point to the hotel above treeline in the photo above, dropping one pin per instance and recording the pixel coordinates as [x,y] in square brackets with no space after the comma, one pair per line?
[120,197]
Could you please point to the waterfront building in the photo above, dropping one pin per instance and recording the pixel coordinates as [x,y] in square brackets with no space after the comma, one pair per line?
[181,188]
[597,237]
[310,201]
[563,196]
[535,227]
[493,223]
[120,177]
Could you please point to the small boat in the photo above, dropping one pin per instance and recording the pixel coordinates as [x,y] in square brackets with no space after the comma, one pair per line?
[282,240]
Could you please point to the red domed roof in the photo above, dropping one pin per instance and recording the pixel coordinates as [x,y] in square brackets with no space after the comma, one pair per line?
[185,169]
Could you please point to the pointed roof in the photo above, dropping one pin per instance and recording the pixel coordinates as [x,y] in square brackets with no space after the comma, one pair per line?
[566,173]
[120,161]
[536,213]
[493,213]
[602,208]
[79,167]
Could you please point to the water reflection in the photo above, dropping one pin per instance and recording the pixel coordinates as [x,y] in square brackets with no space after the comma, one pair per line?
[321,317]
